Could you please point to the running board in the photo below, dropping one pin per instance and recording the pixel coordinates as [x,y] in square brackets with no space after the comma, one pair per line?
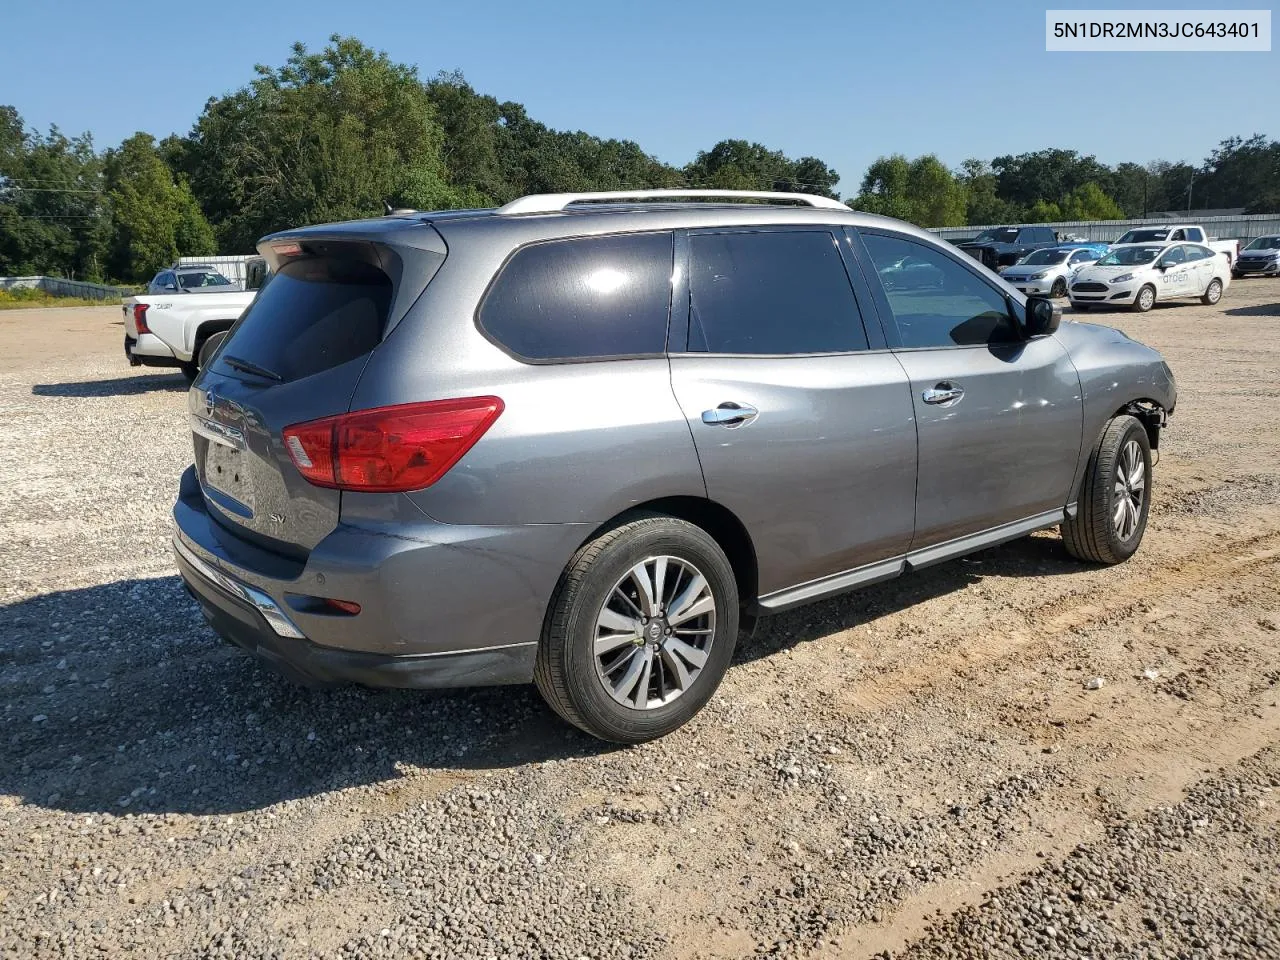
[882,570]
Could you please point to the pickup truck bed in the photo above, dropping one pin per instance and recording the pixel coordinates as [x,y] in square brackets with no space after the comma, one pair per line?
[167,330]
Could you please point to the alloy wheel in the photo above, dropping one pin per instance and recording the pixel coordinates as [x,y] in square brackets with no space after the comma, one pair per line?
[1131,487]
[654,632]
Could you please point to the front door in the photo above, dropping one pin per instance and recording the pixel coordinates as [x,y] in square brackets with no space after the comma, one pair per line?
[805,432]
[1176,275]
[999,418]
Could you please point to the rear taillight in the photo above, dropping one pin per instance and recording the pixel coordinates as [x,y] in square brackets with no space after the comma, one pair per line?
[389,449]
[140,317]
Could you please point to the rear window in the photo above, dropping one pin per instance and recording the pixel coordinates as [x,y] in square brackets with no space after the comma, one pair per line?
[315,314]
[585,298]
[776,293]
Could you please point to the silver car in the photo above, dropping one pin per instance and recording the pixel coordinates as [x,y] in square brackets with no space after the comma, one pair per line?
[576,439]
[1049,271]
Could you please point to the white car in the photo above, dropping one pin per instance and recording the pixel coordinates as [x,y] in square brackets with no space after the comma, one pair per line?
[1140,275]
[1049,270]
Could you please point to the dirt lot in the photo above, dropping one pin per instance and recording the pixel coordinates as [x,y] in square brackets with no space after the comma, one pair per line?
[915,769]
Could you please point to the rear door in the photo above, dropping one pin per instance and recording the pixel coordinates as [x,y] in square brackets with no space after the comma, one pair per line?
[802,419]
[999,418]
[295,355]
[1201,262]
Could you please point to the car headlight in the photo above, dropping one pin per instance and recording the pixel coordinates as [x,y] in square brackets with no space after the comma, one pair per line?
[1038,276]
[1123,278]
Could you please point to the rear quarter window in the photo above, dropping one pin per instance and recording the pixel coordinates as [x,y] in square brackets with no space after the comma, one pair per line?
[583,298]
[316,313]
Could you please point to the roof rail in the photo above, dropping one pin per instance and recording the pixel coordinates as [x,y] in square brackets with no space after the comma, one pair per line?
[557,202]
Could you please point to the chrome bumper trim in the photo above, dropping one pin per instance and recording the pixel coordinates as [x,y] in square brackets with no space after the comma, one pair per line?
[270,610]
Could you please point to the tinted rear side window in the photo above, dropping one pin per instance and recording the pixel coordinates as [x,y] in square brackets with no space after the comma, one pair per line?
[315,314]
[783,292]
[586,298]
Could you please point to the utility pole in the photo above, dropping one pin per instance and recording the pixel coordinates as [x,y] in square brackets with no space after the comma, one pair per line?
[1190,184]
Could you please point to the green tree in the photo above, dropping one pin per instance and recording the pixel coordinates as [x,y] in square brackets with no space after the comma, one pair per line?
[1044,211]
[52,218]
[984,205]
[154,220]
[1088,202]
[332,135]
[742,165]
[922,191]
[1237,172]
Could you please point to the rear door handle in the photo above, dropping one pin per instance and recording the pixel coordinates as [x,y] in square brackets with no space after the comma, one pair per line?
[730,414]
[943,394]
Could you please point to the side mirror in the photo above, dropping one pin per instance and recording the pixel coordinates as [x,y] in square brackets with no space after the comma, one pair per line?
[1043,317]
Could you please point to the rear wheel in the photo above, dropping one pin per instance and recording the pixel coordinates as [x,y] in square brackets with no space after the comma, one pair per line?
[1145,300]
[210,347]
[1111,514]
[204,353]
[640,630]
[1213,293]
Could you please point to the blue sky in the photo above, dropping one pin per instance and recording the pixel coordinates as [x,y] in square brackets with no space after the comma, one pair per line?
[844,81]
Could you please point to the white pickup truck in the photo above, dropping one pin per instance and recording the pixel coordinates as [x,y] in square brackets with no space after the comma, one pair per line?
[1181,233]
[181,329]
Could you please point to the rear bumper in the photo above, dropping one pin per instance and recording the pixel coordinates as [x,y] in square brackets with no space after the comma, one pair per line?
[148,350]
[441,605]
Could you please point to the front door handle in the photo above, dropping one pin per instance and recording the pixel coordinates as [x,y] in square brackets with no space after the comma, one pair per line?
[943,394]
[730,414]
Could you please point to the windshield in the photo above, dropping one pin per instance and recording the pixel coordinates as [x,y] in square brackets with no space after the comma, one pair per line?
[1042,257]
[998,235]
[202,278]
[1265,243]
[1144,236]
[1129,257]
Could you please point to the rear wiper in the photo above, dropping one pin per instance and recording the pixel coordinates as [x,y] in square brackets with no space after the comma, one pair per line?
[249,367]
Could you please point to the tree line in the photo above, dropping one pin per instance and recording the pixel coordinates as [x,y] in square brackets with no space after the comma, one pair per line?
[339,133]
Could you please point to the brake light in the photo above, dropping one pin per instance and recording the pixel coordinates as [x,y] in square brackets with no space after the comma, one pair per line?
[140,317]
[389,449]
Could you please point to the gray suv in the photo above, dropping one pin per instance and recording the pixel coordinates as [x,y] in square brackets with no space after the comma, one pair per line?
[574,439]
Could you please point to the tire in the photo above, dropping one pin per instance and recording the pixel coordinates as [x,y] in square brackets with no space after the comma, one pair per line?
[1096,533]
[190,370]
[1059,288]
[210,347]
[1145,300]
[1212,293]
[585,689]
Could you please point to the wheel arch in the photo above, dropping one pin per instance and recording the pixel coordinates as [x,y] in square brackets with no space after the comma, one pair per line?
[1150,413]
[207,329]
[721,523]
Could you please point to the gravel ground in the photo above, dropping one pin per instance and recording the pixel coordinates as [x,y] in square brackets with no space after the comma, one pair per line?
[915,769]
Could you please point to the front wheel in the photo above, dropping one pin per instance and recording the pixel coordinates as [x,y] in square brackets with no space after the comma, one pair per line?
[640,630]
[1115,498]
[1213,293]
[1059,288]
[1145,300]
